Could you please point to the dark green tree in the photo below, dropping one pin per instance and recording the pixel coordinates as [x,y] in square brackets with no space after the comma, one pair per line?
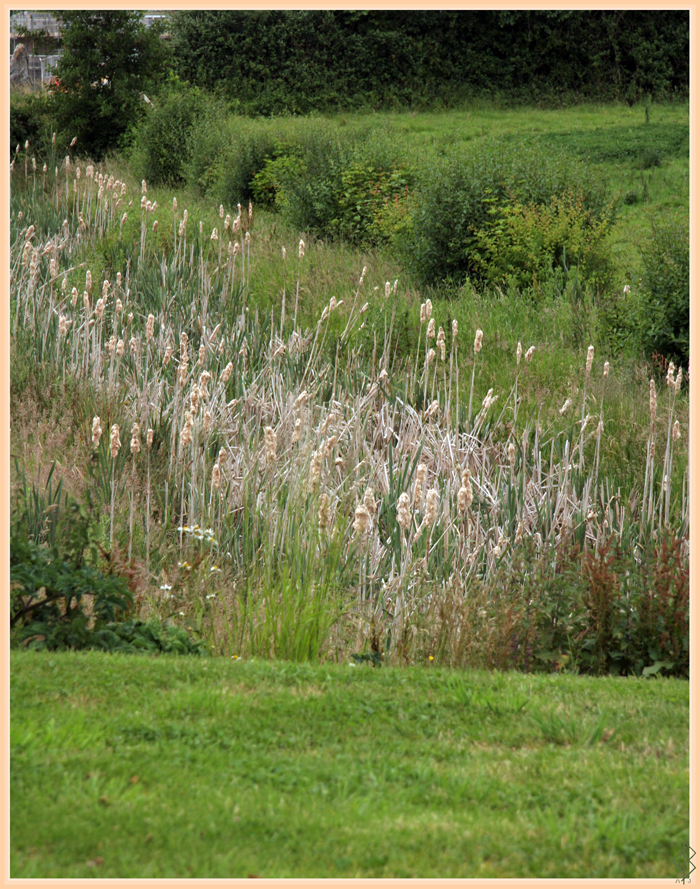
[110,59]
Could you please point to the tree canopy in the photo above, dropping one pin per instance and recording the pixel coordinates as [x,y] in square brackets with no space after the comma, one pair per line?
[110,58]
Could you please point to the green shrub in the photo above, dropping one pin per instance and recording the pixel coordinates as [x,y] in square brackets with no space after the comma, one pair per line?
[459,201]
[663,306]
[30,120]
[267,185]
[525,243]
[162,140]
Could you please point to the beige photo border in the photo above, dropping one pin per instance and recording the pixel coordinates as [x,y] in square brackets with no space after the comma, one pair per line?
[5,358]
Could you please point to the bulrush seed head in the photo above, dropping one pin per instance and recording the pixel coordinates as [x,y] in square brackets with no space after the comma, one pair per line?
[369,502]
[511,454]
[301,249]
[679,379]
[114,442]
[202,354]
[149,439]
[168,355]
[428,309]
[135,440]
[478,340]
[216,477]
[676,433]
[315,469]
[362,522]
[186,434]
[120,348]
[528,355]
[432,502]
[565,407]
[270,445]
[387,290]
[652,401]
[518,352]
[149,328]
[421,473]
[669,374]
[324,516]
[403,512]
[88,281]
[455,329]
[606,369]
[422,313]
[431,329]
[589,359]
[111,344]
[430,357]
[226,373]
[96,431]
[208,420]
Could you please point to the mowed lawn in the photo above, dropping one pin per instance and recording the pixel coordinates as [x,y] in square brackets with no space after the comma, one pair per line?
[130,766]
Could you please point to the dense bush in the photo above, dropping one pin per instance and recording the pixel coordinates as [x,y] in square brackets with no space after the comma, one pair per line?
[477,201]
[295,61]
[162,142]
[30,120]
[663,306]
[525,242]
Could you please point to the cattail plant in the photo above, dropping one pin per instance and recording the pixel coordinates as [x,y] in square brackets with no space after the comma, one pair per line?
[478,338]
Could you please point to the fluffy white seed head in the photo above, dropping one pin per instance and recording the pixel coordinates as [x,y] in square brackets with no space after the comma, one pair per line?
[676,433]
[114,441]
[606,369]
[428,309]
[96,431]
[518,352]
[362,522]
[565,407]
[270,445]
[528,355]
[478,340]
[403,512]
[589,359]
[135,440]
[149,327]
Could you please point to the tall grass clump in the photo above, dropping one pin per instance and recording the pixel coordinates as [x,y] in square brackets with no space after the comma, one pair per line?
[309,489]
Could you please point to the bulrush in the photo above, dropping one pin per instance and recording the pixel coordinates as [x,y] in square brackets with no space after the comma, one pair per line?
[432,502]
[226,372]
[362,522]
[114,441]
[270,445]
[369,502]
[216,477]
[465,495]
[186,434]
[431,329]
[324,516]
[669,374]
[518,352]
[96,431]
[676,433]
[528,355]
[296,436]
[135,439]
[565,407]
[428,309]
[149,439]
[478,338]
[589,360]
[403,512]
[421,473]
[120,348]
[315,469]
[149,328]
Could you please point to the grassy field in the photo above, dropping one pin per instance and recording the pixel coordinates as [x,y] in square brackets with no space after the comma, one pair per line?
[183,767]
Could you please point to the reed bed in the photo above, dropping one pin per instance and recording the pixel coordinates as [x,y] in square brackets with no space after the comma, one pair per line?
[309,493]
